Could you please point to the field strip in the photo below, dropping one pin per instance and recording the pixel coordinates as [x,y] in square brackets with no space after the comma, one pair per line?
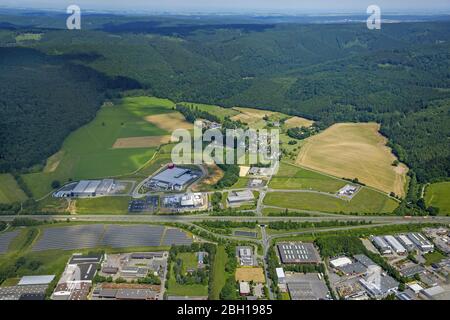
[141,142]
[335,177]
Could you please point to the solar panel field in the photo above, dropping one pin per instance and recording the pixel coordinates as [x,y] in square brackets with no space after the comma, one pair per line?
[5,240]
[114,236]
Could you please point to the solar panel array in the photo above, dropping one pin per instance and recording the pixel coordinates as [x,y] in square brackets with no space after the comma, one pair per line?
[5,240]
[117,236]
[70,237]
[176,237]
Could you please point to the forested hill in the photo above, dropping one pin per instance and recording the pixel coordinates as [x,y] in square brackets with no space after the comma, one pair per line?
[42,99]
[399,75]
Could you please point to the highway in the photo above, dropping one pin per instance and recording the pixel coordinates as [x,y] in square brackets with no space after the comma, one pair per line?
[205,217]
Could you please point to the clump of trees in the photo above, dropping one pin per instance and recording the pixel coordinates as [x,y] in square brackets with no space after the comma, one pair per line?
[230,177]
[301,133]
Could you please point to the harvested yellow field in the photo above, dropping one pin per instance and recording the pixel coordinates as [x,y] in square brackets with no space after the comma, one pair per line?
[53,162]
[243,170]
[170,121]
[297,122]
[141,142]
[249,115]
[250,274]
[354,150]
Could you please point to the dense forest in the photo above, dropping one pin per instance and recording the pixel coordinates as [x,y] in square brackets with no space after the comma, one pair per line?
[398,76]
[42,99]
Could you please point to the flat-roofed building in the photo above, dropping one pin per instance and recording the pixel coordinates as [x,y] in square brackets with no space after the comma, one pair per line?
[245,255]
[240,197]
[244,288]
[86,189]
[35,280]
[421,242]
[395,245]
[340,262]
[280,275]
[298,252]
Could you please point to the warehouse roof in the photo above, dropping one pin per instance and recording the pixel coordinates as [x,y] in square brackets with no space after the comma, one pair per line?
[34,280]
[179,176]
[340,262]
[241,196]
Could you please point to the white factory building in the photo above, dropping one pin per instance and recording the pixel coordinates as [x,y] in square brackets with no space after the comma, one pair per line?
[340,262]
[86,189]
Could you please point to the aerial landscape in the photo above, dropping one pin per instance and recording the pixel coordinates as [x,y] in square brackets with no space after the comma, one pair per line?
[346,195]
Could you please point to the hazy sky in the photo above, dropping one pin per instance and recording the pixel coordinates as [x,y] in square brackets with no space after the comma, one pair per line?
[286,6]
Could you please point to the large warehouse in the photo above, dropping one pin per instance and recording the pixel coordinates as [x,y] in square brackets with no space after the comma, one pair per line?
[173,178]
[86,188]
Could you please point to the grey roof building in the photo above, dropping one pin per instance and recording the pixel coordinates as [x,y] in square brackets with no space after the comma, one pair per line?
[298,252]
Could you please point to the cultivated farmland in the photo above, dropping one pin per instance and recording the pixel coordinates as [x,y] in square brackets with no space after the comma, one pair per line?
[365,201]
[354,150]
[294,177]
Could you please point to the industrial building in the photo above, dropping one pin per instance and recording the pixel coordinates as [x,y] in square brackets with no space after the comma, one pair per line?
[364,260]
[348,191]
[148,204]
[340,262]
[395,245]
[244,288]
[173,178]
[309,286]
[381,288]
[381,245]
[280,275]
[408,244]
[261,171]
[86,189]
[184,202]
[125,291]
[35,280]
[236,198]
[245,256]
[28,288]
[421,242]
[298,252]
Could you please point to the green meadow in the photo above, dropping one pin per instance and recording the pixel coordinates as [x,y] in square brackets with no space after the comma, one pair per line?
[294,177]
[438,195]
[9,190]
[366,201]
[103,205]
[87,153]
